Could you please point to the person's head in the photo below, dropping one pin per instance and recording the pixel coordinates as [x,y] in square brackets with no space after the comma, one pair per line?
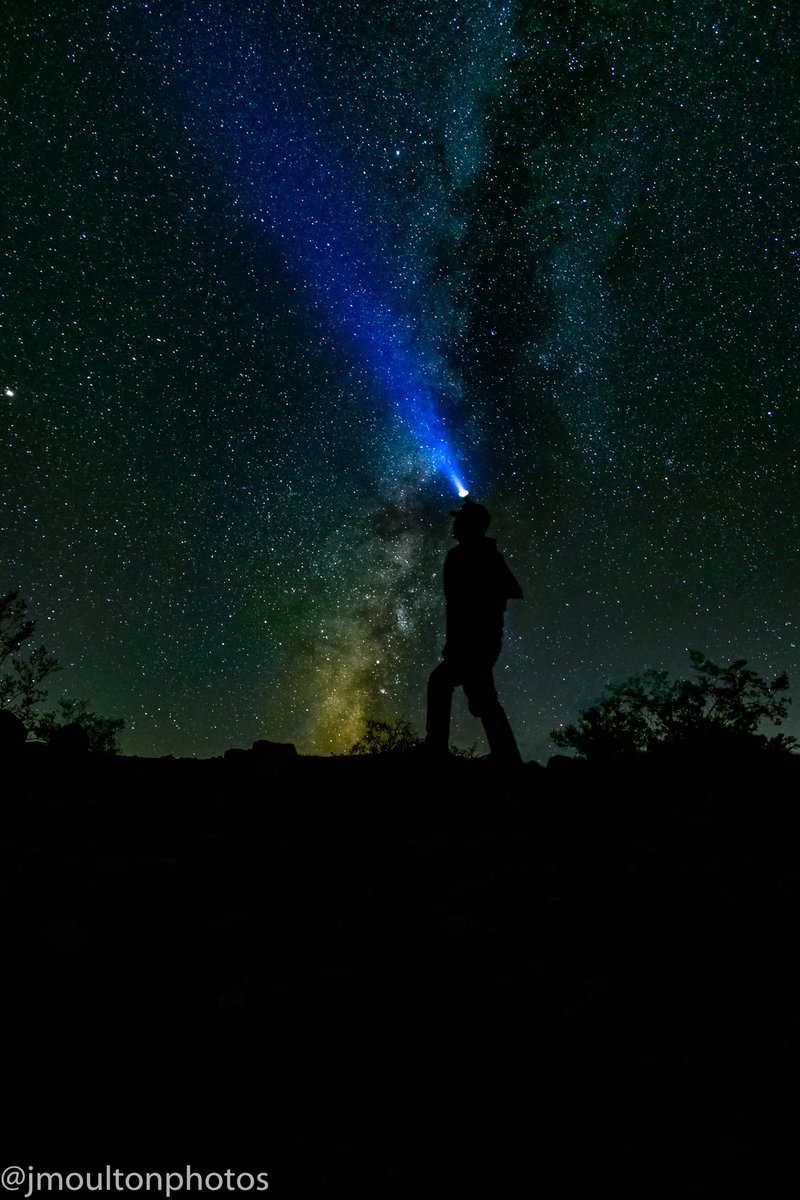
[470,522]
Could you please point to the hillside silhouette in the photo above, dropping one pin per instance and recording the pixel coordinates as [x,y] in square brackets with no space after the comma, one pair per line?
[382,977]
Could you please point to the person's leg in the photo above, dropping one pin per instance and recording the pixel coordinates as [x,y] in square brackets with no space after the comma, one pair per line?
[443,679]
[484,703]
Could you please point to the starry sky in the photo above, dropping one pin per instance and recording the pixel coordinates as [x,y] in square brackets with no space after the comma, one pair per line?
[274,273]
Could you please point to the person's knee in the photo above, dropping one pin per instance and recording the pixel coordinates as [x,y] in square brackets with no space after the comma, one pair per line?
[482,703]
[442,676]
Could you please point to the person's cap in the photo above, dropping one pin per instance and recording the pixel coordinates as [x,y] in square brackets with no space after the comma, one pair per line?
[476,514]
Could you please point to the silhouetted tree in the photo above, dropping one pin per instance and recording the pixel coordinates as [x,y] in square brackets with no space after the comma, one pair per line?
[23,674]
[22,683]
[649,710]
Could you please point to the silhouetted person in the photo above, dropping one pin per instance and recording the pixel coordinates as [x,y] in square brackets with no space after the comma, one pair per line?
[477,585]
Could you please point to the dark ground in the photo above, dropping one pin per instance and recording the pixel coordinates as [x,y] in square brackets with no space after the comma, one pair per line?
[369,980]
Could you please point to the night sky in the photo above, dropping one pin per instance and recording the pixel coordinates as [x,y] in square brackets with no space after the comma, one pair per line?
[273,273]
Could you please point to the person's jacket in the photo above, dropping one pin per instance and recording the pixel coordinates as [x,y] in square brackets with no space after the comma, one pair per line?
[477,586]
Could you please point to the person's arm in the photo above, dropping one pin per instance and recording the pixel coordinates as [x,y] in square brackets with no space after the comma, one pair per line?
[511,587]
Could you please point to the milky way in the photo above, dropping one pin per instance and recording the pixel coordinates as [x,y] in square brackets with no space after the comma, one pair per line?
[272,272]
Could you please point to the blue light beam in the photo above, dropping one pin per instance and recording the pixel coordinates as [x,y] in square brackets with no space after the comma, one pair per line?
[271,138]
[358,300]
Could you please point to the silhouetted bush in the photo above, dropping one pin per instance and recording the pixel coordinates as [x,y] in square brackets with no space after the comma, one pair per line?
[99,733]
[721,705]
[383,737]
[395,737]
